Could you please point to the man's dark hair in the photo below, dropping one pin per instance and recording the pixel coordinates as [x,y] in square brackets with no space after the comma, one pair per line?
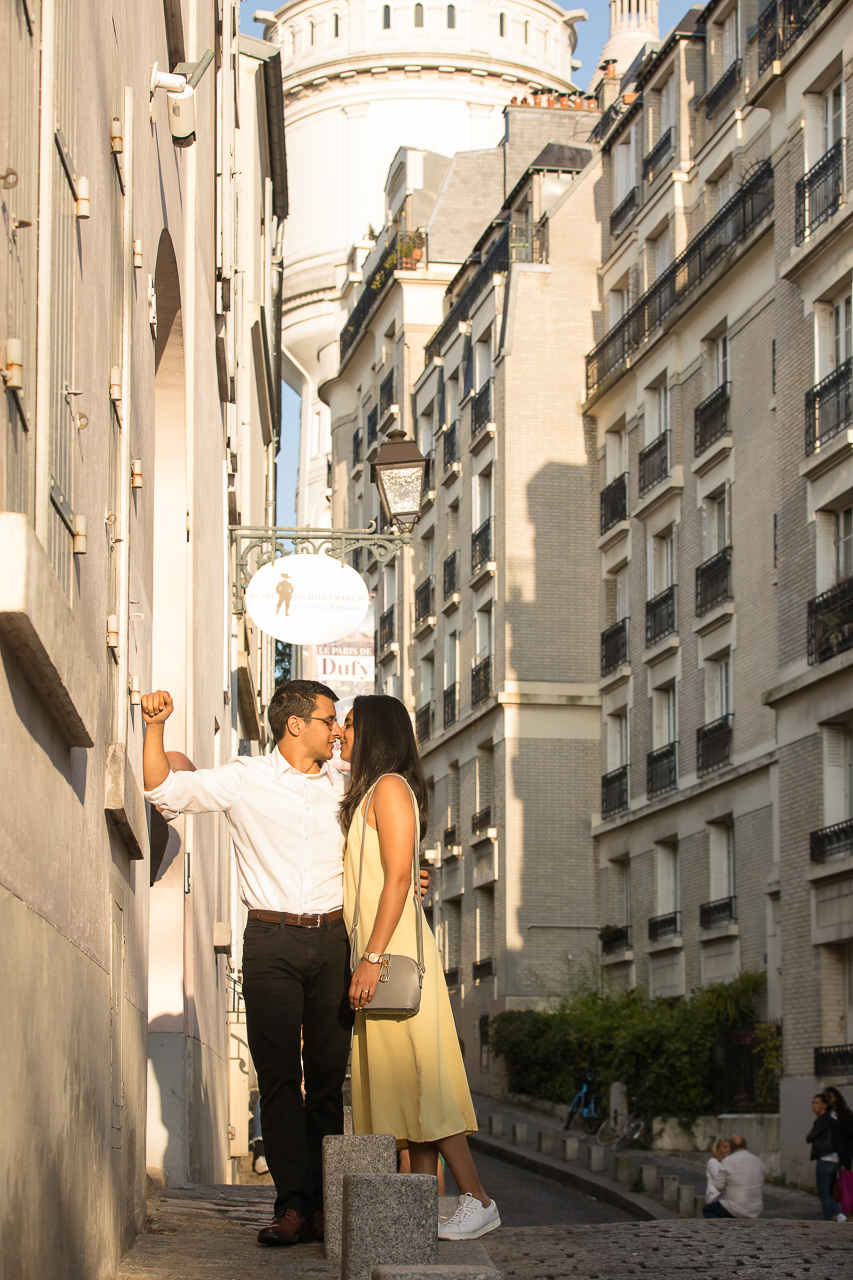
[295,698]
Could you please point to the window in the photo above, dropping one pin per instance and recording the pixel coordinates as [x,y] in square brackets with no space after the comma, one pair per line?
[844,544]
[483,634]
[617,740]
[292,34]
[837,773]
[527,33]
[718,688]
[482,361]
[615,455]
[336,26]
[625,167]
[661,563]
[452,934]
[386,17]
[716,518]
[842,339]
[668,888]
[658,416]
[659,257]
[427,681]
[666,105]
[451,659]
[721,360]
[485,780]
[451,17]
[621,583]
[389,585]
[483,498]
[721,861]
[310,33]
[833,116]
[419,15]
[730,40]
[665,729]
[620,878]
[617,306]
[502,25]
[484,923]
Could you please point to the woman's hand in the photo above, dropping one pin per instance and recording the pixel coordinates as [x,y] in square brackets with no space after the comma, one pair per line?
[365,980]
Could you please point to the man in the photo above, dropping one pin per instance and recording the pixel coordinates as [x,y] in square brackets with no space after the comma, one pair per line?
[282,811]
[740,1181]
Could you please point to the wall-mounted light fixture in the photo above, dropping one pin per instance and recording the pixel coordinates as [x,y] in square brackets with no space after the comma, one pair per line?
[112,631]
[137,253]
[136,473]
[115,384]
[81,206]
[81,541]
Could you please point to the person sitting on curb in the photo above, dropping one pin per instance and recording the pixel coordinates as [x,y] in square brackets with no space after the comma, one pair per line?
[721,1148]
[740,1182]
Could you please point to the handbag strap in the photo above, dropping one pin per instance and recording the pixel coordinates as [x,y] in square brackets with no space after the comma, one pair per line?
[419,931]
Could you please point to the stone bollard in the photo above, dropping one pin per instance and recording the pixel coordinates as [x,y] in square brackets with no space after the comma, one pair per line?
[388,1219]
[365,1153]
[570,1148]
[686,1199]
[595,1158]
[496,1126]
[545,1141]
[698,1204]
[649,1174]
[443,1271]
[669,1189]
[348,1121]
[519,1133]
[622,1166]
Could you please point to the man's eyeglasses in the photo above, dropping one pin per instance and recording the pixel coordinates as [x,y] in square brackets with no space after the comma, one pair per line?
[328,721]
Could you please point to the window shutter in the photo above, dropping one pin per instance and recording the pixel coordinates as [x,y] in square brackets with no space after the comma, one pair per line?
[835,799]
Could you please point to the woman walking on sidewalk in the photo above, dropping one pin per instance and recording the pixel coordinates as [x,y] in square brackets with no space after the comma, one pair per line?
[408,1077]
[823,1136]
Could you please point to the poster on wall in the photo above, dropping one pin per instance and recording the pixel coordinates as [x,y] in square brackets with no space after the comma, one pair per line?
[308,599]
[347,666]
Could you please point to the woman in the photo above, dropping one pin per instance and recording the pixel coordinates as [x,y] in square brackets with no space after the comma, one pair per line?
[721,1148]
[843,1117]
[408,1077]
[823,1136]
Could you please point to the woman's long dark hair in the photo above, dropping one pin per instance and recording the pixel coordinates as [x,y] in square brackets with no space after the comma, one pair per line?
[383,742]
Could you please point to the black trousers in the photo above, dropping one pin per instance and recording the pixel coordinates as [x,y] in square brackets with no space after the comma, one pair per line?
[296,987]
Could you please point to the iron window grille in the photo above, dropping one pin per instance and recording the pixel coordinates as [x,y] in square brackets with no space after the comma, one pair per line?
[481,546]
[614,503]
[451,699]
[829,407]
[481,820]
[714,745]
[423,723]
[451,976]
[711,418]
[357,437]
[832,842]
[496,262]
[720,911]
[386,628]
[830,622]
[665,926]
[481,682]
[450,837]
[451,446]
[833,1060]
[372,426]
[614,791]
[624,213]
[614,647]
[818,194]
[483,969]
[386,394]
[654,463]
[481,409]
[714,581]
[717,95]
[781,24]
[660,616]
[528,242]
[451,574]
[425,601]
[373,287]
[659,154]
[661,770]
[615,938]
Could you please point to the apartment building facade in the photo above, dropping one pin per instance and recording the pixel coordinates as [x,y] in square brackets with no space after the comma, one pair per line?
[134,432]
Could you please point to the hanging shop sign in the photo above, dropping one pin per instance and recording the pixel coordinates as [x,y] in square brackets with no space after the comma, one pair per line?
[307,599]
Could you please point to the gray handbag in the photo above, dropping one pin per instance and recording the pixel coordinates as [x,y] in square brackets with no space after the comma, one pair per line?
[398,992]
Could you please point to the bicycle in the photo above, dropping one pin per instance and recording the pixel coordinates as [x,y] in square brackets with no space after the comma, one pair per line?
[620,1133]
[588,1109]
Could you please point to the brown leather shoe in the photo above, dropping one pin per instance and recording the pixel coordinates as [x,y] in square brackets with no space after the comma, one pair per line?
[290,1228]
[319,1226]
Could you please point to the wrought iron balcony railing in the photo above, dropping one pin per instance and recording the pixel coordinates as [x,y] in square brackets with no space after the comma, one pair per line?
[714,745]
[624,213]
[481,546]
[357,438]
[731,226]
[818,194]
[386,394]
[614,647]
[714,581]
[614,503]
[425,601]
[829,408]
[372,426]
[660,616]
[654,463]
[451,707]
[830,622]
[833,1060]
[607,121]
[451,976]
[721,911]
[528,242]
[832,842]
[451,574]
[781,24]
[481,682]
[614,791]
[662,770]
[423,722]
[497,261]
[451,837]
[615,938]
[711,418]
[481,409]
[386,629]
[483,969]
[659,154]
[717,95]
[451,446]
[481,820]
[373,287]
[665,926]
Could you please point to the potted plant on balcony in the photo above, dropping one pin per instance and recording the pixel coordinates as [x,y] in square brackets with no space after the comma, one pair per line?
[411,247]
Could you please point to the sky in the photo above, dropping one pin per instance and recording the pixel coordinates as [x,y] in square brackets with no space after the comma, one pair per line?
[592,36]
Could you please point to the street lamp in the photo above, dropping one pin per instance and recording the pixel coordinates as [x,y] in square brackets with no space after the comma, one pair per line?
[399,473]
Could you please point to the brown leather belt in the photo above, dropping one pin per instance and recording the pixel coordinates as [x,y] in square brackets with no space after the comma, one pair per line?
[302,922]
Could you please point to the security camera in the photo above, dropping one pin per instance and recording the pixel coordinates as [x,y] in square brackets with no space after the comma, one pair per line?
[182,116]
[180,86]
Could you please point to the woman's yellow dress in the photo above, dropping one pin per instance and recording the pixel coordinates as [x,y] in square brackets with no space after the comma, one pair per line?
[408,1077]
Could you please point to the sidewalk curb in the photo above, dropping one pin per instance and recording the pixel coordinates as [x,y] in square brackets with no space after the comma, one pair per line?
[640,1207]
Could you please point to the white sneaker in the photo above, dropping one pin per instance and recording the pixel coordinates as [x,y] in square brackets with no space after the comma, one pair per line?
[470,1220]
[841,1217]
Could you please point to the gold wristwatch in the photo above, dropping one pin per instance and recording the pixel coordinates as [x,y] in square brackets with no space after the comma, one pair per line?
[373,956]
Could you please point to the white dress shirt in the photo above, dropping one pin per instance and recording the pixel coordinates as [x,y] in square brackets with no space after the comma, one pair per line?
[740,1181]
[284,825]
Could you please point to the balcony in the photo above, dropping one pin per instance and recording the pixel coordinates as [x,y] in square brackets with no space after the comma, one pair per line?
[614,647]
[528,242]
[731,226]
[624,213]
[781,24]
[832,842]
[829,408]
[451,976]
[386,394]
[386,629]
[451,447]
[614,792]
[711,419]
[660,617]
[483,969]
[714,581]
[496,262]
[481,410]
[372,427]
[369,296]
[654,463]
[818,194]
[830,622]
[665,926]
[716,96]
[450,839]
[714,745]
[481,821]
[614,503]
[425,603]
[357,439]
[481,547]
[661,770]
[481,682]
[723,911]
[451,575]
[451,709]
[834,1060]
[615,938]
[658,156]
[423,723]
